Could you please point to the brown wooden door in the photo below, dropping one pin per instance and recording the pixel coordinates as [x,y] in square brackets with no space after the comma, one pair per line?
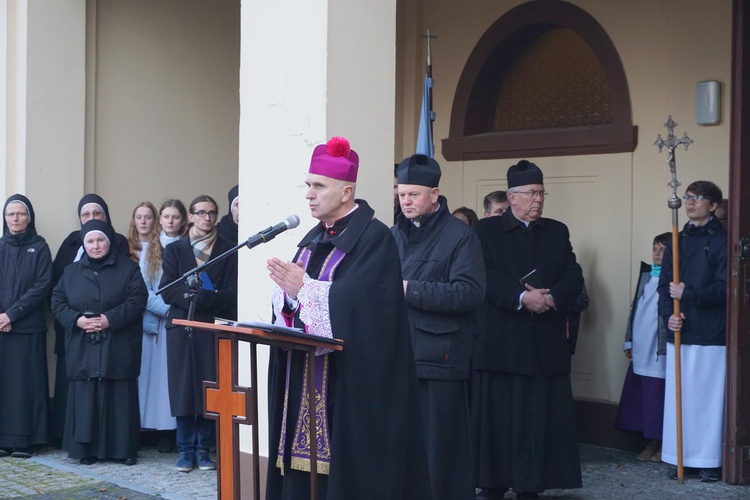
[737,419]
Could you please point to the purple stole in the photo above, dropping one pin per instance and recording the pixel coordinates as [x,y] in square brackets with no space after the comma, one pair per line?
[301,444]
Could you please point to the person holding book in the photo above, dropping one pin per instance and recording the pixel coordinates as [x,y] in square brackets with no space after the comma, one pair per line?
[523,418]
[642,402]
[191,356]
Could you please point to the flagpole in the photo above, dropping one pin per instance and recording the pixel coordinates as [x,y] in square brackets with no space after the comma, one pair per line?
[427,116]
[429,75]
[674,203]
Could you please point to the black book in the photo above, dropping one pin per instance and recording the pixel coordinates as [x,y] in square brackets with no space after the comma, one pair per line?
[532,279]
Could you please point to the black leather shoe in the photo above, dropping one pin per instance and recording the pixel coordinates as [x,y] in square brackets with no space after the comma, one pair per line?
[709,475]
[491,493]
[4,453]
[21,453]
[527,494]
[88,460]
[130,461]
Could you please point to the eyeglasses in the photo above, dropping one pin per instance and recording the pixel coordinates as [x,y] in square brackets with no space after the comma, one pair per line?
[202,213]
[20,215]
[534,193]
[96,214]
[693,197]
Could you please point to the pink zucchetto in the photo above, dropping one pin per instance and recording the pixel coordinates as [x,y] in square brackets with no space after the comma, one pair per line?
[335,159]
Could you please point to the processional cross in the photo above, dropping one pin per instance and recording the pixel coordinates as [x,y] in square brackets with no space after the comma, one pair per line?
[675,203]
[671,143]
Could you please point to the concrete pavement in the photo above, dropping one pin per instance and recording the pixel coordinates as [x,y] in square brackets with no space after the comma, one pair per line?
[607,474]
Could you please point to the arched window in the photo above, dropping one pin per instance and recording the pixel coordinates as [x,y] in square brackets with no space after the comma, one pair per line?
[544,80]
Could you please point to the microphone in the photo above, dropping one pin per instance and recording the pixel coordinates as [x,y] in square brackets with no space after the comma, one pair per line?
[270,233]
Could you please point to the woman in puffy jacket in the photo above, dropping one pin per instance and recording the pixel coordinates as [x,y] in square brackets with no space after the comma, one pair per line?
[25,280]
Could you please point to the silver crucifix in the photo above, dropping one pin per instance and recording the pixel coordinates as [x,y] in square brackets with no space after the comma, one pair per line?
[671,143]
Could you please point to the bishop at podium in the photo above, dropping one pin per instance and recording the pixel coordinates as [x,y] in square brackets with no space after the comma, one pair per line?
[345,282]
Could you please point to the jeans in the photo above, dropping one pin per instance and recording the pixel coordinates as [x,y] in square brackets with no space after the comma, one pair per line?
[195,433]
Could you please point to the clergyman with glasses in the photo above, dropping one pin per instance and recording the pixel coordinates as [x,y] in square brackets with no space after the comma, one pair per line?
[523,419]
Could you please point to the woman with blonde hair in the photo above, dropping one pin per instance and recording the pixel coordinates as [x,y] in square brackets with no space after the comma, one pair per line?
[147,238]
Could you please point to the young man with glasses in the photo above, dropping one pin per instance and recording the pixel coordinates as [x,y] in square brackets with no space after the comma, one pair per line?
[702,293]
[191,356]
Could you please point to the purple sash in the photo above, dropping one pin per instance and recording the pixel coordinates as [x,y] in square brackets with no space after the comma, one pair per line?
[301,444]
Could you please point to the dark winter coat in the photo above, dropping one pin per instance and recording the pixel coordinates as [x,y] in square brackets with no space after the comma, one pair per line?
[703,269]
[64,256]
[512,338]
[191,357]
[442,261]
[25,282]
[116,289]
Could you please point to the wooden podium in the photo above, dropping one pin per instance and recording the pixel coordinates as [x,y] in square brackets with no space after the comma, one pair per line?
[231,405]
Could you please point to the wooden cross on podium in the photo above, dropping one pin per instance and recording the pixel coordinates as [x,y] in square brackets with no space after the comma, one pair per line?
[229,404]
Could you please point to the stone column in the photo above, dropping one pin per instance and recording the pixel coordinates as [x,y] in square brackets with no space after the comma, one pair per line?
[308,71]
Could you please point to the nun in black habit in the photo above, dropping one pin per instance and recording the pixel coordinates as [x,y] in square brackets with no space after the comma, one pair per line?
[100,301]
[25,281]
[91,206]
[227,228]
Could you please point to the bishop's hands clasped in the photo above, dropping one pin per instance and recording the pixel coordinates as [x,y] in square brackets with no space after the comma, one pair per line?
[288,275]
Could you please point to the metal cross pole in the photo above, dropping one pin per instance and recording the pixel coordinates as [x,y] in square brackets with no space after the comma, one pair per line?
[429,38]
[675,203]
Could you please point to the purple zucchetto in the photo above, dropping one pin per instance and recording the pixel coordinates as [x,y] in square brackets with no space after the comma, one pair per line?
[335,159]
[524,173]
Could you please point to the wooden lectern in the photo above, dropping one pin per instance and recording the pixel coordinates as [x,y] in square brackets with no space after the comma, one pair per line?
[230,404]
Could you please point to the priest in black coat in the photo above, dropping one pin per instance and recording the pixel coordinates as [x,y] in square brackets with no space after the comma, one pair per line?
[444,281]
[345,282]
[524,423]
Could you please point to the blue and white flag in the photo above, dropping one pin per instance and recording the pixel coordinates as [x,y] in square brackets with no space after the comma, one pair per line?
[424,136]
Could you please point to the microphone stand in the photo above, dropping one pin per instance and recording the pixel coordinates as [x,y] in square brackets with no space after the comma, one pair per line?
[193,280]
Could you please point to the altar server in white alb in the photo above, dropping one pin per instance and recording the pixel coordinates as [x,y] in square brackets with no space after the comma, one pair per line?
[702,292]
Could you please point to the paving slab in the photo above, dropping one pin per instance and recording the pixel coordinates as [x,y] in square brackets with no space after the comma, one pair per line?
[49,474]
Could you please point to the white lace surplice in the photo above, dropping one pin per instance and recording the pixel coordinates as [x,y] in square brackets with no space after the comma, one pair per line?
[313,308]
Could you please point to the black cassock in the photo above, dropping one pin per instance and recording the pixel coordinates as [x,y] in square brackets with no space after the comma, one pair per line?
[523,419]
[375,427]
